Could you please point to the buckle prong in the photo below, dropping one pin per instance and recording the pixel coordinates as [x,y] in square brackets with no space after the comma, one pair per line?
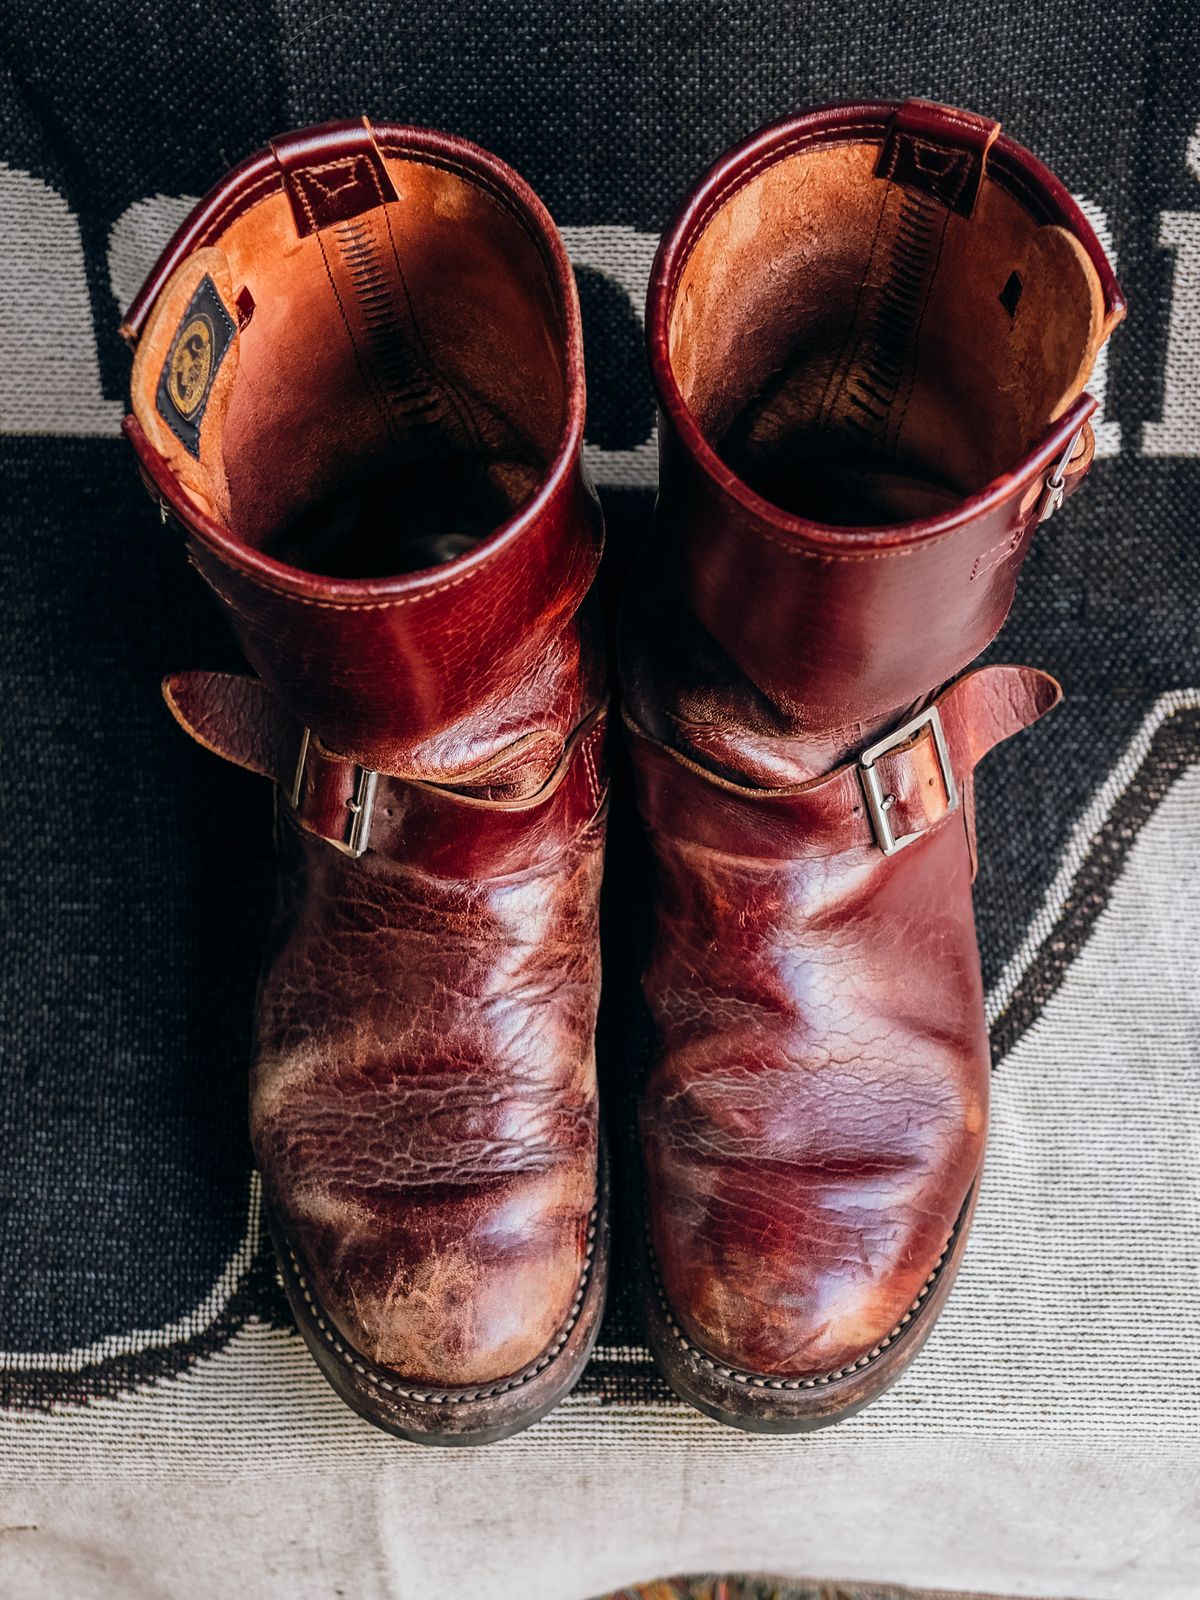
[361,806]
[880,804]
[301,763]
[361,809]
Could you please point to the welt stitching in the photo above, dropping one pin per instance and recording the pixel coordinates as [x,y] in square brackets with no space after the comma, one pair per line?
[754,1380]
[458,1397]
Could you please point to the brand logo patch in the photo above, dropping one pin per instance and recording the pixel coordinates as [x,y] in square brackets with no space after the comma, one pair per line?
[192,364]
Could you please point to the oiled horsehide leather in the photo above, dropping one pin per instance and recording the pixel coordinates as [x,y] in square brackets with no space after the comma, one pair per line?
[358,389]
[870,328]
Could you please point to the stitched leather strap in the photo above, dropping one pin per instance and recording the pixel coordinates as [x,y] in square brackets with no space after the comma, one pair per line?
[332,175]
[439,830]
[942,153]
[831,814]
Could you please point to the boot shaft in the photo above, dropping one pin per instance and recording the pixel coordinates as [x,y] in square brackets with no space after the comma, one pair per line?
[870,329]
[358,386]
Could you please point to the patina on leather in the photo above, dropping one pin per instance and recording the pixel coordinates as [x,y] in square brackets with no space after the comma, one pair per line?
[870,329]
[384,490]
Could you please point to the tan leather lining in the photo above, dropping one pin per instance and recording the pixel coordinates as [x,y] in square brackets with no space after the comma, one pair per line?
[859,353]
[417,344]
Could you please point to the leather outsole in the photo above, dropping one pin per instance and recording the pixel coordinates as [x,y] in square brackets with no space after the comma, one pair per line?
[474,1415]
[767,1403]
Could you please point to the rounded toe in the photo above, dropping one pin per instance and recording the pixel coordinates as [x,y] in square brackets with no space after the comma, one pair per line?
[447,1294]
[808,1316]
[799,1212]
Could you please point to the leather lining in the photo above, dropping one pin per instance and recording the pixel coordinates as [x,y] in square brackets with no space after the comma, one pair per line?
[399,391]
[849,345]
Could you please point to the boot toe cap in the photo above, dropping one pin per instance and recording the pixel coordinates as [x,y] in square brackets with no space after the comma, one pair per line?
[452,1293]
[807,1314]
[792,1242]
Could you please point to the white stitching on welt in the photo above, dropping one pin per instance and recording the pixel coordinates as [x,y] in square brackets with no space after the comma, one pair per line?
[755,1381]
[458,1397]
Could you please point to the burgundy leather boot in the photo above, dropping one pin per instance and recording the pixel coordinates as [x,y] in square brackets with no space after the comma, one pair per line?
[358,390]
[870,329]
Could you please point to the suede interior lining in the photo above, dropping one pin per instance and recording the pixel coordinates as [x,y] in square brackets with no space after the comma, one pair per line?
[860,355]
[397,392]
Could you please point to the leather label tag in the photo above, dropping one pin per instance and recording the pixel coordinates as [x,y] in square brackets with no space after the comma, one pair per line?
[193,361]
[940,152]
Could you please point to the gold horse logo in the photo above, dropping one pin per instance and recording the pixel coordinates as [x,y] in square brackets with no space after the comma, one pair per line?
[191,365]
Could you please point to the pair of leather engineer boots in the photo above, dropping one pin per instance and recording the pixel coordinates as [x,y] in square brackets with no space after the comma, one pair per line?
[358,389]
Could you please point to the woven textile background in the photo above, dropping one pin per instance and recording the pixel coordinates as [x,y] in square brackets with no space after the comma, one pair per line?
[162,1429]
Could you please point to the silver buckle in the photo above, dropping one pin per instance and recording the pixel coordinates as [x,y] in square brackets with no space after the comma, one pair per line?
[879,804]
[361,807]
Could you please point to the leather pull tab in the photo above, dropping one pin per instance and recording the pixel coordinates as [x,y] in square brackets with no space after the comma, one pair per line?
[332,176]
[940,152]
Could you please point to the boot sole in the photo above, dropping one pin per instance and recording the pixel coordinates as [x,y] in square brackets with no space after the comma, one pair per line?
[471,1415]
[765,1403]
